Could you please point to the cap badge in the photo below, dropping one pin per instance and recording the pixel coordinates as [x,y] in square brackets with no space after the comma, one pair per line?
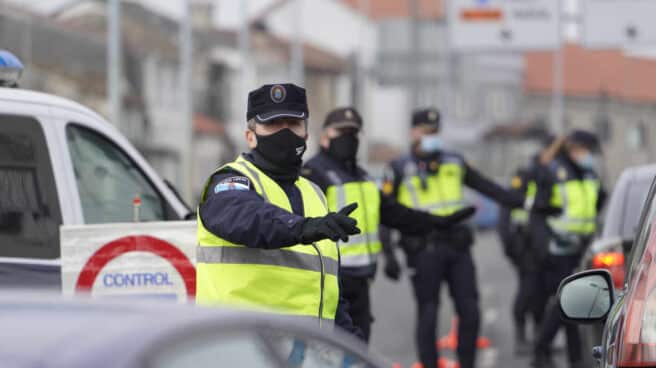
[348,114]
[278,93]
[432,116]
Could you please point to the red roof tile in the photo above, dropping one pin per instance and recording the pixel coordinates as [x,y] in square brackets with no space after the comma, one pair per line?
[592,73]
[378,9]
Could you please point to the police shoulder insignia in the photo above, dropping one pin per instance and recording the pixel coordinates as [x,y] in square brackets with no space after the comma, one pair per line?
[388,187]
[233,183]
[516,182]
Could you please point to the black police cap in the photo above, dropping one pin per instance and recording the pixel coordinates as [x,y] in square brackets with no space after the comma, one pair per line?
[343,117]
[273,101]
[426,117]
[586,139]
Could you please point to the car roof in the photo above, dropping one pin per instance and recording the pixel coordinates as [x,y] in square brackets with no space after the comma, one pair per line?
[50,331]
[73,333]
[629,181]
[39,98]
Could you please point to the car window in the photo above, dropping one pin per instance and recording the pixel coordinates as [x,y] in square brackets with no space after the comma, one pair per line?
[29,206]
[109,181]
[647,220]
[237,349]
[635,199]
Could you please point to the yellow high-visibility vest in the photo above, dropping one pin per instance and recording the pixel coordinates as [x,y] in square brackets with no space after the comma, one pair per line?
[519,216]
[442,193]
[362,249]
[300,280]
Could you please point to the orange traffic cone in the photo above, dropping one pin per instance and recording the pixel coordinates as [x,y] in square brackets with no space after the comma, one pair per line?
[446,363]
[441,363]
[450,341]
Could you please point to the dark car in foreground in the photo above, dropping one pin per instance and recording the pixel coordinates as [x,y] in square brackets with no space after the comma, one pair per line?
[50,332]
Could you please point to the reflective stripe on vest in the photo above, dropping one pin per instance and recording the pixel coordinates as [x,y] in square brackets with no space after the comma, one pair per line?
[362,249]
[441,194]
[519,216]
[299,280]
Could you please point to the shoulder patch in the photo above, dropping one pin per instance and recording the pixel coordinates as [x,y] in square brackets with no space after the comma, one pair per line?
[306,171]
[233,183]
[561,173]
[516,182]
[388,187]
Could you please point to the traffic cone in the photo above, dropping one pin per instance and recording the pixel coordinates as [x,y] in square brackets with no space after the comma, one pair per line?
[446,363]
[441,363]
[450,341]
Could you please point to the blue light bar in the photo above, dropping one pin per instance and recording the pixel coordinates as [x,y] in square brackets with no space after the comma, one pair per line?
[10,69]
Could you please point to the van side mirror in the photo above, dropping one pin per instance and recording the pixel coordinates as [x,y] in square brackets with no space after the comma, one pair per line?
[586,297]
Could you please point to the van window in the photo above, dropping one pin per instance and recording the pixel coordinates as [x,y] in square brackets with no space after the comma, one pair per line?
[108,180]
[29,207]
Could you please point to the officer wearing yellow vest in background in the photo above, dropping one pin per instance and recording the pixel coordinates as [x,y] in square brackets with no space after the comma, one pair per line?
[336,171]
[568,183]
[433,179]
[266,239]
[513,230]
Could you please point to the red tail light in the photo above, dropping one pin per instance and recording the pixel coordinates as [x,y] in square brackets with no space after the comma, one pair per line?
[614,263]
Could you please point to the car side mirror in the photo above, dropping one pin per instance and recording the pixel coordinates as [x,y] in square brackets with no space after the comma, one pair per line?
[586,297]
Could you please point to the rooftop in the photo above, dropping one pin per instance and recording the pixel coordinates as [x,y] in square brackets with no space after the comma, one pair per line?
[592,73]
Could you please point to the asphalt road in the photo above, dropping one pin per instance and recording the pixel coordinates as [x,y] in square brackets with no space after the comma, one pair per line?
[394,310]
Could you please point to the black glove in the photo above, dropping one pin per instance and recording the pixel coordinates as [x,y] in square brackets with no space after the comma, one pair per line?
[333,226]
[392,267]
[455,218]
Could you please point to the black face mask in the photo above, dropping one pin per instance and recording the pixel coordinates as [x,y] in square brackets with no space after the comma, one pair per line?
[283,148]
[344,147]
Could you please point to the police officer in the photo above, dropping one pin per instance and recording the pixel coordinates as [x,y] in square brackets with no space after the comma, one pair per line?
[513,231]
[266,238]
[568,183]
[433,180]
[336,171]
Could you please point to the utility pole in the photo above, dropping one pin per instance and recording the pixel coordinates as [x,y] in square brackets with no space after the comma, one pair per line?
[415,83]
[186,92]
[297,67]
[244,46]
[114,62]
[557,97]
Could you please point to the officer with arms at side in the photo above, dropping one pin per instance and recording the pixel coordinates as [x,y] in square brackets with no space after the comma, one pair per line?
[433,180]
[336,171]
[266,238]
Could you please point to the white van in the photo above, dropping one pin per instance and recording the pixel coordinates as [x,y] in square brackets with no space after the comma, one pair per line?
[63,164]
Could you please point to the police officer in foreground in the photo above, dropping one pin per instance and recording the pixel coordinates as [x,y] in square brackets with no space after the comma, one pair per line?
[266,238]
[433,180]
[336,171]
[568,183]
